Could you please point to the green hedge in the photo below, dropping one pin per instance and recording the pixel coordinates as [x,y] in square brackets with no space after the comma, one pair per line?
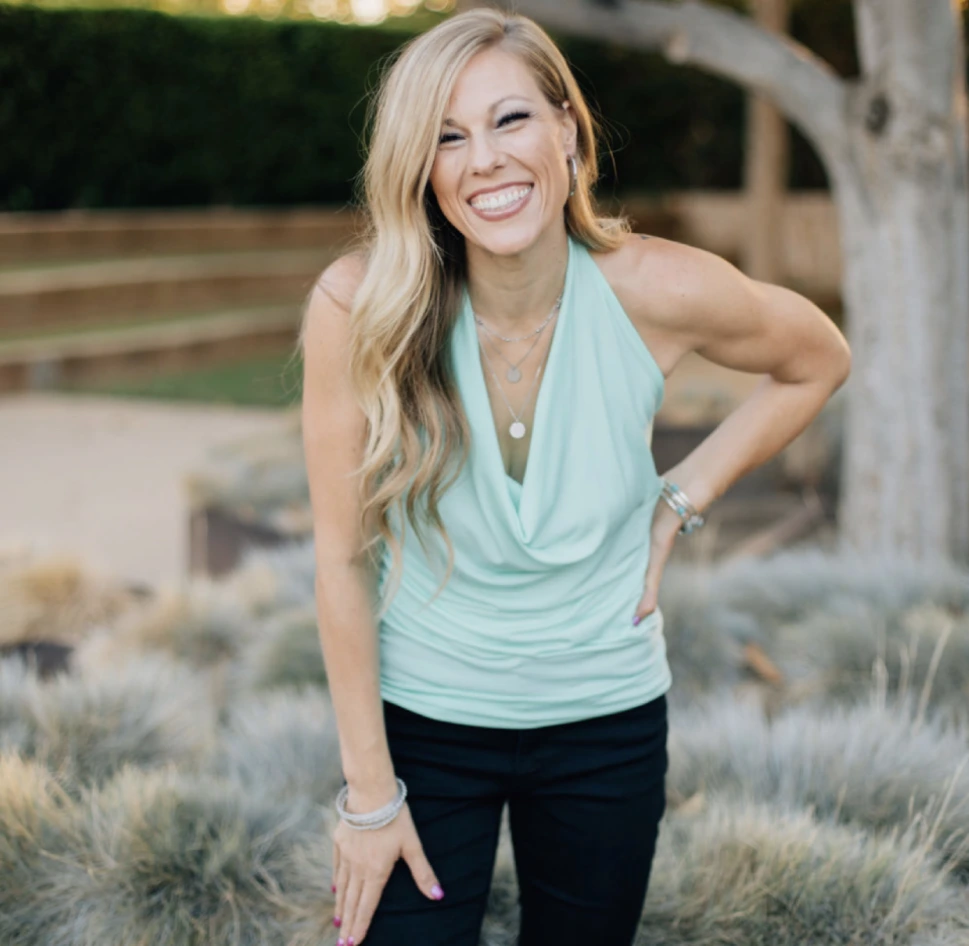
[132,108]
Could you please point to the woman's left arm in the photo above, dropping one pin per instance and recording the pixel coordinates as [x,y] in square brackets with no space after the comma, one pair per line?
[705,304]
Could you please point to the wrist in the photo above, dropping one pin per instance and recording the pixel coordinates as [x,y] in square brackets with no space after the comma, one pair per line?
[695,489]
[370,795]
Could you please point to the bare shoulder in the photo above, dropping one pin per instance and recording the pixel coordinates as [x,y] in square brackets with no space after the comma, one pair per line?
[658,282]
[341,279]
[681,298]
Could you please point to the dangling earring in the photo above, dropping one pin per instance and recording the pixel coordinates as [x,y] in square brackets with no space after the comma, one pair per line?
[574,175]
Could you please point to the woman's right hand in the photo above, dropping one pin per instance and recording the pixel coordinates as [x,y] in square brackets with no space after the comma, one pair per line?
[362,863]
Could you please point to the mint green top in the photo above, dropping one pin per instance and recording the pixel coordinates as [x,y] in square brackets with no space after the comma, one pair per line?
[534,627]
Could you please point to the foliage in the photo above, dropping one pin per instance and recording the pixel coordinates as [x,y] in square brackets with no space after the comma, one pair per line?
[136,108]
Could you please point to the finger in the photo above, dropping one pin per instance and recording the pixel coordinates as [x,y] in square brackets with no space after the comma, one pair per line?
[335,868]
[354,889]
[369,898]
[339,909]
[647,603]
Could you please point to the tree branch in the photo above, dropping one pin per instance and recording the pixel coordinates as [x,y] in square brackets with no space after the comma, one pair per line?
[803,86]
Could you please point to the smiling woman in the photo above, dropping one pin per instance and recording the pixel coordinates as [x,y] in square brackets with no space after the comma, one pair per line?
[489,363]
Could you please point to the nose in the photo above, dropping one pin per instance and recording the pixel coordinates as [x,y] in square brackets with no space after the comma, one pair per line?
[483,156]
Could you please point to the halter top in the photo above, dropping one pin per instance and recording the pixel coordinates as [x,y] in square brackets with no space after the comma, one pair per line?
[534,626]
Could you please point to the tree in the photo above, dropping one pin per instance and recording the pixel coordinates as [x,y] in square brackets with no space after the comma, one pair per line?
[894,144]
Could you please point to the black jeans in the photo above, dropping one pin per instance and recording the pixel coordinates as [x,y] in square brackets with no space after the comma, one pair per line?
[585,800]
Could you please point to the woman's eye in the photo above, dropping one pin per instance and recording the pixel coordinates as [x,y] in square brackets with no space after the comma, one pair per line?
[513,116]
[510,117]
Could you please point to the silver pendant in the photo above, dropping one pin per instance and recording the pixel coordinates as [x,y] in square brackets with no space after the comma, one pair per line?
[513,374]
[517,430]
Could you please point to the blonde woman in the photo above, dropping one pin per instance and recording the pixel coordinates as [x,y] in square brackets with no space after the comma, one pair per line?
[481,378]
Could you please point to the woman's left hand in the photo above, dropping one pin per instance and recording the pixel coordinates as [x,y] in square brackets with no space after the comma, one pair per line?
[666,525]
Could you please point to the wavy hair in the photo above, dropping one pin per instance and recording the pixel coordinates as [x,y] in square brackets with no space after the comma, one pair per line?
[407,301]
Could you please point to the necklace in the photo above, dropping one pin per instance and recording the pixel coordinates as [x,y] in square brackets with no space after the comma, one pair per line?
[513,374]
[517,428]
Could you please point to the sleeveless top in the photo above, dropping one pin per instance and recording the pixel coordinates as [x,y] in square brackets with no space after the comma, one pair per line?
[534,626]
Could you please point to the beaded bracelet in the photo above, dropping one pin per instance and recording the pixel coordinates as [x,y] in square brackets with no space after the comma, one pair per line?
[678,501]
[371,820]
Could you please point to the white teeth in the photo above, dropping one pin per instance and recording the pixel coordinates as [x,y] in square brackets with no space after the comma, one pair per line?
[500,200]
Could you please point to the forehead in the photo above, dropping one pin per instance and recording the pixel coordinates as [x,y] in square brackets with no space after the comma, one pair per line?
[490,76]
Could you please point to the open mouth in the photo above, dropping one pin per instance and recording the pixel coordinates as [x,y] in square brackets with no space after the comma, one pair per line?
[500,204]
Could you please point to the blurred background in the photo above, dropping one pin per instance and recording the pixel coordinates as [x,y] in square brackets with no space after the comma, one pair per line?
[174,176]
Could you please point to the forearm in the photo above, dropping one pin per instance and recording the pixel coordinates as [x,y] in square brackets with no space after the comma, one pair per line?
[766,422]
[349,639]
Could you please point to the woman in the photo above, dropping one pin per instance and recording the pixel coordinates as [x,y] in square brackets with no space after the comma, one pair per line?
[488,364]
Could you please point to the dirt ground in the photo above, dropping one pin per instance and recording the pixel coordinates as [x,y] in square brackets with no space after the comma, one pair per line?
[101,478]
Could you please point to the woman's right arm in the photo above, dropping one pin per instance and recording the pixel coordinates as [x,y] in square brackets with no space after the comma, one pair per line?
[334,436]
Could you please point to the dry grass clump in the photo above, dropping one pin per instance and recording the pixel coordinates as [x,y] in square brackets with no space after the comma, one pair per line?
[286,653]
[36,843]
[284,744]
[798,583]
[747,873]
[202,625]
[173,860]
[923,648]
[876,765]
[56,599]
[84,726]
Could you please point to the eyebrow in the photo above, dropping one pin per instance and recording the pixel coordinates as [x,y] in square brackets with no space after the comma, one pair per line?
[493,106]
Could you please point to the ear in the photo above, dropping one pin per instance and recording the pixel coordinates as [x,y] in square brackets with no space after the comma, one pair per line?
[570,127]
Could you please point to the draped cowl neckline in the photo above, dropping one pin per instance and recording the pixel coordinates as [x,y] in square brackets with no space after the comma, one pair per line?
[514,498]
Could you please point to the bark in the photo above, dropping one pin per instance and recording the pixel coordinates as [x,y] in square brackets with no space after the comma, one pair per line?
[894,145]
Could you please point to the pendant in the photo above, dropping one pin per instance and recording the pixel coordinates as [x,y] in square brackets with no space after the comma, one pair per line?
[513,374]
[517,430]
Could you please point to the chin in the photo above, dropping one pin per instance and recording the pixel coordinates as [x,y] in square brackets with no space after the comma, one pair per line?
[507,242]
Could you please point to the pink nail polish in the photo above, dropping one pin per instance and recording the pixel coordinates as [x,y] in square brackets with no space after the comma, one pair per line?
[436,892]
[333,887]
[337,921]
[636,619]
[341,942]
[349,941]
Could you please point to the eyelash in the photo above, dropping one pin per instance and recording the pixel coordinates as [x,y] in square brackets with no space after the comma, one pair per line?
[444,139]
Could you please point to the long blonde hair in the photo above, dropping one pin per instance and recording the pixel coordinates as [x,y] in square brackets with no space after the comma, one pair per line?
[407,301]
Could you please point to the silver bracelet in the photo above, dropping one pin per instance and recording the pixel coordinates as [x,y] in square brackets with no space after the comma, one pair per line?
[678,501]
[371,820]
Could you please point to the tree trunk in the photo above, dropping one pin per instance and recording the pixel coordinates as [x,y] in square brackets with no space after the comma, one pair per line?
[900,189]
[894,144]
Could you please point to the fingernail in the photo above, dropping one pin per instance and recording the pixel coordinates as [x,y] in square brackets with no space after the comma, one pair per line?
[636,619]
[436,892]
[349,941]
[333,887]
[337,921]
[341,942]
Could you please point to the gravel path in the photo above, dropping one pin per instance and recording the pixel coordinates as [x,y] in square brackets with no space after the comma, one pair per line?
[101,478]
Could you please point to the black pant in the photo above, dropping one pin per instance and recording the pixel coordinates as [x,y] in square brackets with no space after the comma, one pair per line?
[585,800]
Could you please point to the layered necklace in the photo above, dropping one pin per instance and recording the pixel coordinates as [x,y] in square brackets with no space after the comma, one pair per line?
[517,427]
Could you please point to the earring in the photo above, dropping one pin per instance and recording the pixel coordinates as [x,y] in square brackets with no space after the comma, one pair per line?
[574,175]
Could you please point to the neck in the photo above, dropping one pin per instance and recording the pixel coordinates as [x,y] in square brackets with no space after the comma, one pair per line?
[516,291]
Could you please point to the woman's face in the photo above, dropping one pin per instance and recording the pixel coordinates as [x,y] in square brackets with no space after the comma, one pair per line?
[501,173]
